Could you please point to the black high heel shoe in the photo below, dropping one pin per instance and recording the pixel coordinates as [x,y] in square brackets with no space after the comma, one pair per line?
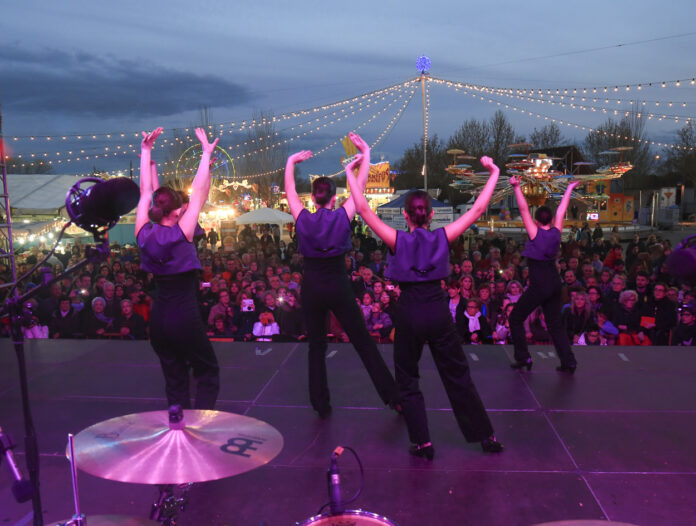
[396,406]
[424,450]
[491,445]
[570,369]
[519,365]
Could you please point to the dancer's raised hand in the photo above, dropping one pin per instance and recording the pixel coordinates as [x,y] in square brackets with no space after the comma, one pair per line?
[150,138]
[208,147]
[514,181]
[359,142]
[354,164]
[489,164]
[573,185]
[299,157]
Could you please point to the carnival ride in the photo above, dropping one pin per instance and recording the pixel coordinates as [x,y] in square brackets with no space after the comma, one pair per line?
[460,169]
[620,167]
[540,179]
[221,164]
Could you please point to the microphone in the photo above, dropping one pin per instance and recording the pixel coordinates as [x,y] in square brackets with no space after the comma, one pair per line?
[101,205]
[23,490]
[333,479]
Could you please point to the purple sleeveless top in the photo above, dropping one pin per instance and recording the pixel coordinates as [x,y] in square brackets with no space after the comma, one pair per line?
[323,234]
[419,256]
[165,250]
[544,247]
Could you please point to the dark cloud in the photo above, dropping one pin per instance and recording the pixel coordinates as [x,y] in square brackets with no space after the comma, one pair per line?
[53,82]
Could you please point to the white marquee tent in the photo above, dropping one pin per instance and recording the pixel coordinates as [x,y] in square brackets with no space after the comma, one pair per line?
[38,194]
[263,216]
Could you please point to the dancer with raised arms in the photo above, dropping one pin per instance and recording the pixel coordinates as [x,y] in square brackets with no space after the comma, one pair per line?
[165,236]
[544,288]
[323,239]
[418,260]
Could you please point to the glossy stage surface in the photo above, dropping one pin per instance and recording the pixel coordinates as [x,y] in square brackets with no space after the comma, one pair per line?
[613,442]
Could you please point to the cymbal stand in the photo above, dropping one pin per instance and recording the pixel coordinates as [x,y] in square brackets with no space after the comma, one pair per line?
[79,518]
[168,505]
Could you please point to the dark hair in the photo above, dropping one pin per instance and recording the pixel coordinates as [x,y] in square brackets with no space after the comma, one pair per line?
[543,215]
[185,198]
[418,207]
[164,201]
[323,189]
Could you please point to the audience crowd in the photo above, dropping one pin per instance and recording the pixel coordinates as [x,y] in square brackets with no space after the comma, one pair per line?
[614,294]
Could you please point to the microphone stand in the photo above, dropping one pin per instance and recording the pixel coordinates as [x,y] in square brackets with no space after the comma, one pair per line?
[15,307]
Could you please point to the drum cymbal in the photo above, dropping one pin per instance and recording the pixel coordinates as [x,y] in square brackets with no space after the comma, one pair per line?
[112,520]
[142,448]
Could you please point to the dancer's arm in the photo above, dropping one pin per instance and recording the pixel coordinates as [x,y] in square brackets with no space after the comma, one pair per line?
[199,188]
[154,180]
[456,228]
[363,173]
[563,205]
[141,217]
[384,231]
[529,223]
[290,193]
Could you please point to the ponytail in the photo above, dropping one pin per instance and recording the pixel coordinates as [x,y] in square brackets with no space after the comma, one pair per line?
[164,202]
[418,207]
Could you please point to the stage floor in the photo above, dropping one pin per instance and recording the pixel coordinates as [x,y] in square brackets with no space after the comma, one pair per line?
[613,442]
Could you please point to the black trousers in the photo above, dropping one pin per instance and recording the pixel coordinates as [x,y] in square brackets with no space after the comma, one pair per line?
[323,292]
[422,315]
[178,336]
[544,290]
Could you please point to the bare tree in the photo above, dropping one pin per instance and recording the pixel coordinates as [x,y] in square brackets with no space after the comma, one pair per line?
[472,137]
[264,156]
[629,131]
[410,166]
[479,138]
[547,137]
[682,160]
[502,135]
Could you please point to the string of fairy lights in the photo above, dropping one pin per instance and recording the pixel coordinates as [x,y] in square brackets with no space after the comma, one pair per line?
[485,95]
[354,106]
[385,131]
[573,104]
[317,153]
[230,126]
[426,130]
[603,99]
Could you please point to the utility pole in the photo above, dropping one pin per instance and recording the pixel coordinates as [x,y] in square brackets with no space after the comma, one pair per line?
[423,80]
[423,65]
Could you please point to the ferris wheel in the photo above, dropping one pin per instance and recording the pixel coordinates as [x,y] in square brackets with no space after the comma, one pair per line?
[221,164]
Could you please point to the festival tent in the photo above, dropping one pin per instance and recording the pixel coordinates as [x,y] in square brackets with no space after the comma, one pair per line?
[392,213]
[38,194]
[263,216]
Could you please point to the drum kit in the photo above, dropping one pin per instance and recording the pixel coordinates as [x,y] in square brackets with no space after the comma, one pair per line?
[173,450]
